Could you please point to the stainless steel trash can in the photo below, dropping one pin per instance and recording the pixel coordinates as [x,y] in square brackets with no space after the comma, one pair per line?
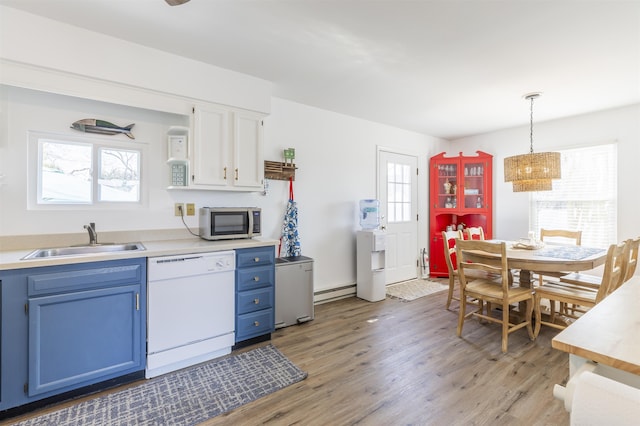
[294,290]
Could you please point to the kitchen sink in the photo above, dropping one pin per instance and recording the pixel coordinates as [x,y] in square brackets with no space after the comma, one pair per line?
[81,250]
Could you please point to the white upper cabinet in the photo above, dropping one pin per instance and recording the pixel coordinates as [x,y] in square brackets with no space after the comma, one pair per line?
[227,149]
[248,158]
[211,146]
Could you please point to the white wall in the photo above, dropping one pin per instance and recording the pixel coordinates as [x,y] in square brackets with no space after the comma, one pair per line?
[511,216]
[336,160]
[335,156]
[28,40]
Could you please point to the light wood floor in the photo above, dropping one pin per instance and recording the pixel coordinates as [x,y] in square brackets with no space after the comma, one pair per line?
[400,363]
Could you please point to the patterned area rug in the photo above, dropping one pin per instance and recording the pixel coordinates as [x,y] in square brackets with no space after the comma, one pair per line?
[185,397]
[411,290]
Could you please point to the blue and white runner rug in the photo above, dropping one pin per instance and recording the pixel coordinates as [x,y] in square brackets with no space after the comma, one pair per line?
[184,397]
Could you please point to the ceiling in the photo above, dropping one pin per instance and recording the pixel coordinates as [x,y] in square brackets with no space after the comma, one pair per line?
[445,68]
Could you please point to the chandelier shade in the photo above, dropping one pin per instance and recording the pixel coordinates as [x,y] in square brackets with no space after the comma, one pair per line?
[533,171]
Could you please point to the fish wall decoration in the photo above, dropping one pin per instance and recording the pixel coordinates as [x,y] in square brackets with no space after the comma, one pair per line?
[91,125]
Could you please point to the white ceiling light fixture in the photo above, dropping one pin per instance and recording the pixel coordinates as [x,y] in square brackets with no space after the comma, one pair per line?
[532,172]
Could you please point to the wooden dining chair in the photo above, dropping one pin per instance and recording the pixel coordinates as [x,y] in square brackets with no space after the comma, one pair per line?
[449,242]
[578,295]
[634,246]
[495,291]
[474,233]
[593,282]
[562,236]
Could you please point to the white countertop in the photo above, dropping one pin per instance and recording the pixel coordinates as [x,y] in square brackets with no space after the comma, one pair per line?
[10,259]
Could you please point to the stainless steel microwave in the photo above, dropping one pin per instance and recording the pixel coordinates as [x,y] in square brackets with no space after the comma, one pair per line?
[225,223]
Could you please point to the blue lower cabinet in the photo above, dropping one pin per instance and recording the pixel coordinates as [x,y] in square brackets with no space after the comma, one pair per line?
[255,292]
[81,336]
[71,326]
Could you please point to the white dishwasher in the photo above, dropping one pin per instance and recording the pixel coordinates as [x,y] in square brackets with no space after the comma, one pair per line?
[190,310]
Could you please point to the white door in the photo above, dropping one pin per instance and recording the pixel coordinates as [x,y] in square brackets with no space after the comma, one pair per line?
[398,195]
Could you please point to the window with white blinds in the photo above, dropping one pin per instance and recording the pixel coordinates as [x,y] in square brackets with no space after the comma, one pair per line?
[585,198]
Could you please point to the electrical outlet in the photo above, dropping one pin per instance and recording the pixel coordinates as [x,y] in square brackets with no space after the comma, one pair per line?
[191,209]
[178,209]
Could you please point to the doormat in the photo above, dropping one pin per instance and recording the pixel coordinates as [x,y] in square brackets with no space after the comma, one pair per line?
[414,289]
[185,397]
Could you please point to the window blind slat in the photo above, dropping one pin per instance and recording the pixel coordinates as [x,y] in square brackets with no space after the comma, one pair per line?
[584,199]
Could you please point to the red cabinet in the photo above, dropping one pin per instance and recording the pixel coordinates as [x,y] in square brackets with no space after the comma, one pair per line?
[460,193]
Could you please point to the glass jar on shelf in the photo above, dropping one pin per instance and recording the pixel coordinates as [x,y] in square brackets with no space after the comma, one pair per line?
[448,204]
[447,186]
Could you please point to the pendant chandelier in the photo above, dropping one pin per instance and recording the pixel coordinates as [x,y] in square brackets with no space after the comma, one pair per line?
[532,171]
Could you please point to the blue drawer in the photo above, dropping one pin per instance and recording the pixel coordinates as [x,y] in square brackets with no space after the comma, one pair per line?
[255,300]
[255,257]
[254,324]
[252,278]
[83,277]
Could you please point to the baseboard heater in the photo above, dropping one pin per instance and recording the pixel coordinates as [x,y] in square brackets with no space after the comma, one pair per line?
[329,295]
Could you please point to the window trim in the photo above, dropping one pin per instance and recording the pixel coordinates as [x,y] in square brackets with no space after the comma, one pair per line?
[34,160]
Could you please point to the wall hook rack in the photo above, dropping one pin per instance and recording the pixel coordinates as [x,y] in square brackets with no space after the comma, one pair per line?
[279,171]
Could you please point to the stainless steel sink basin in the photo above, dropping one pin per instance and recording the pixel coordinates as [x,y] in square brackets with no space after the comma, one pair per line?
[81,250]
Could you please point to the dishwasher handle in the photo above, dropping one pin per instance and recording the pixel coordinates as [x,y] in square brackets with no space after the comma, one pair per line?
[177,259]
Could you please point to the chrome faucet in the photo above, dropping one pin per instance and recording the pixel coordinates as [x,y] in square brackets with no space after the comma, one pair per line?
[93,235]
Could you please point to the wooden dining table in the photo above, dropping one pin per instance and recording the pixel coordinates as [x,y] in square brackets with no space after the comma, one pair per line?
[548,258]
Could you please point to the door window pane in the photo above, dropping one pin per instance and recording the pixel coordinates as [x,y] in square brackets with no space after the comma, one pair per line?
[398,192]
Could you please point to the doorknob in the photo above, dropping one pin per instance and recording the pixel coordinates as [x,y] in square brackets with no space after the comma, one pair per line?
[383,227]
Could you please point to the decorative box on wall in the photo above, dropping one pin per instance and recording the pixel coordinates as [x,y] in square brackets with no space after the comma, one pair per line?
[460,194]
[279,171]
[178,156]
